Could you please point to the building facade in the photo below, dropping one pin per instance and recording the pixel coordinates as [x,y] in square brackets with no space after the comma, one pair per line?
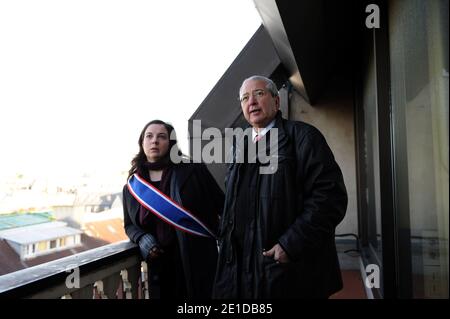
[372,76]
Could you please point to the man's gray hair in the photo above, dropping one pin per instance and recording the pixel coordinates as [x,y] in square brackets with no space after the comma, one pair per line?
[270,85]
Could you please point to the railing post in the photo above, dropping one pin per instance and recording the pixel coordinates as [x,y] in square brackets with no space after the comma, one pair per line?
[126,284]
[144,280]
[104,272]
[98,290]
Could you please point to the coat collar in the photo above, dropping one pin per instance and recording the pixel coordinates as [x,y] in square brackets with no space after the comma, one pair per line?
[182,172]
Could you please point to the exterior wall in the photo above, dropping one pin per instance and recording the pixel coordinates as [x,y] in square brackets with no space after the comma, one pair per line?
[333,116]
[72,215]
[16,247]
[43,247]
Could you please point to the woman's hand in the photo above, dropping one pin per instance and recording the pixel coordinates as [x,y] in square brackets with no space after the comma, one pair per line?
[155,252]
[149,247]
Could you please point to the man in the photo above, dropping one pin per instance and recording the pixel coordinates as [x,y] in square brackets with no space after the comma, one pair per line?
[277,231]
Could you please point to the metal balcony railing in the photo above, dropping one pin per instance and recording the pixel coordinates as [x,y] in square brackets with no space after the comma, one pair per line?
[112,271]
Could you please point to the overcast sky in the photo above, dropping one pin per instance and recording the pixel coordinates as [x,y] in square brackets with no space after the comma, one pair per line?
[79,79]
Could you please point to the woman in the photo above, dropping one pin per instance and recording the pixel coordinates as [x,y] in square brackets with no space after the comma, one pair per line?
[178,237]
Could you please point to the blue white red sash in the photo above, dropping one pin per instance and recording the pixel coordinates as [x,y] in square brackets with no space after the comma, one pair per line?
[165,208]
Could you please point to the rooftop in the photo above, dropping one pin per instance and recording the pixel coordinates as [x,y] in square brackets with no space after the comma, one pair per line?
[10,261]
[8,221]
[40,232]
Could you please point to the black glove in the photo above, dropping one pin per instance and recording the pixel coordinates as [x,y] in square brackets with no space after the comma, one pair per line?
[146,244]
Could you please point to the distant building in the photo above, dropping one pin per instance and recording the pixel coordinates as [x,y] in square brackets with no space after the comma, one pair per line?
[13,220]
[73,225]
[106,225]
[10,260]
[73,212]
[29,239]
[35,234]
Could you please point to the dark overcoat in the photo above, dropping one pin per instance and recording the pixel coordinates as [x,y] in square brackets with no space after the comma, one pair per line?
[298,207]
[199,194]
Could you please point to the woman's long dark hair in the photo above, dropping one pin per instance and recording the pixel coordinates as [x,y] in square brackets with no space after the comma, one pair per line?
[137,164]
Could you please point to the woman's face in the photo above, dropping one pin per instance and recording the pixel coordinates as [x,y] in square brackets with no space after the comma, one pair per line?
[156,142]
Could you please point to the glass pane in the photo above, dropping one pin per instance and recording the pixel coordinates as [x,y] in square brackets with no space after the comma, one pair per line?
[372,163]
[418,32]
[52,244]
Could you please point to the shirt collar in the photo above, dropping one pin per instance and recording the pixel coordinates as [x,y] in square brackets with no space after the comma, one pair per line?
[263,131]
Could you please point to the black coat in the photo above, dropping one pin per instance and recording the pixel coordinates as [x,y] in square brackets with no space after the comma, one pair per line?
[299,207]
[201,195]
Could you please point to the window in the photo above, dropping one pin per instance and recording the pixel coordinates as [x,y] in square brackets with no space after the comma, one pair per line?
[52,244]
[418,32]
[42,246]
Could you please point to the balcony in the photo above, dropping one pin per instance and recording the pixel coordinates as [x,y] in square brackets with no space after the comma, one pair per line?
[113,271]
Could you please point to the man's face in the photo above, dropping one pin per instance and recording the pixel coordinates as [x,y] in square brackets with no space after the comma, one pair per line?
[258,104]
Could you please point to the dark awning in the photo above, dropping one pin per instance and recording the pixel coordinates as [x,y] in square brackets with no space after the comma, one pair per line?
[312,39]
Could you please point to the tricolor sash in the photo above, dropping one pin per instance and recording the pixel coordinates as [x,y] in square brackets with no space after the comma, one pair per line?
[165,208]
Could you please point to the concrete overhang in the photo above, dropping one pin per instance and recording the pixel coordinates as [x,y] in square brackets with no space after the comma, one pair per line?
[310,37]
